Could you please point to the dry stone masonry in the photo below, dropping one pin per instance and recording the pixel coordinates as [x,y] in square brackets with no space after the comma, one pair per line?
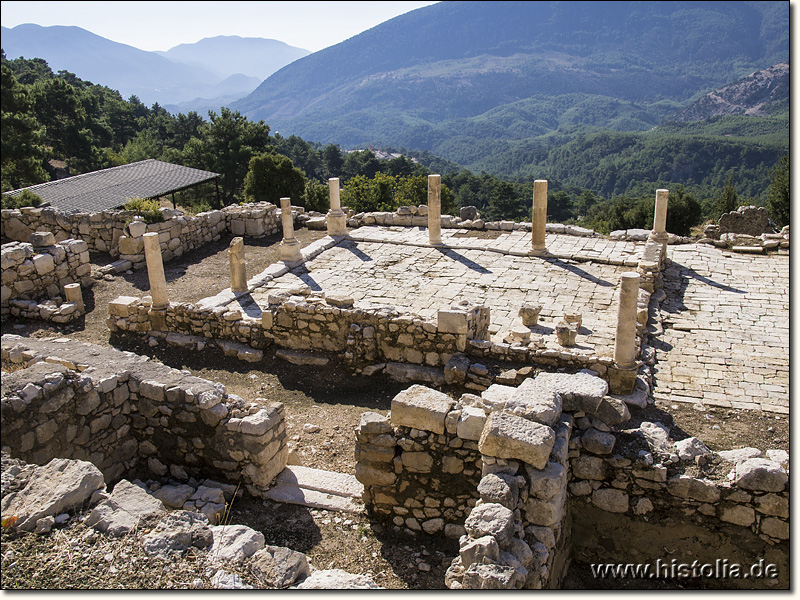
[39,277]
[128,415]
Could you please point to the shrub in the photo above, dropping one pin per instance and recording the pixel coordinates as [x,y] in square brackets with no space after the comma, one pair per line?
[147,209]
[24,198]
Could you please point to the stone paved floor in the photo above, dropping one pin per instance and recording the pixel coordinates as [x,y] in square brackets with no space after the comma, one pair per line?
[726,317]
[413,277]
[726,330]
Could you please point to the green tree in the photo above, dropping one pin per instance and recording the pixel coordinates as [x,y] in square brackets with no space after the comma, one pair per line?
[271,177]
[317,197]
[559,206]
[225,146]
[778,193]
[727,201]
[22,154]
[363,194]
[683,212]
[332,161]
[505,204]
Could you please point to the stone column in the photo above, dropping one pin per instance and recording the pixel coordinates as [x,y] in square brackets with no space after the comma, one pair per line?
[238,269]
[659,233]
[539,221]
[74,294]
[622,375]
[336,219]
[290,247]
[435,210]
[158,283]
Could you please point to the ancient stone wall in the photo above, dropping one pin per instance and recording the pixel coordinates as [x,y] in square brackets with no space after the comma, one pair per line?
[131,416]
[532,452]
[34,276]
[119,233]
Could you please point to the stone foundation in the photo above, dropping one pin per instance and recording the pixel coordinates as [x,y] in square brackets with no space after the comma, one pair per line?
[34,276]
[133,417]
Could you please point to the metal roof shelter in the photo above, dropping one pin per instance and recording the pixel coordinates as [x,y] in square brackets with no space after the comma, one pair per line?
[111,188]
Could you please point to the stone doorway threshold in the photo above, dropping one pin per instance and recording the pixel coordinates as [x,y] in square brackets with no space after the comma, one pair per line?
[320,489]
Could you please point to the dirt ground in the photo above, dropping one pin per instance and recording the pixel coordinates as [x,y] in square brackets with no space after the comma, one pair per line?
[328,397]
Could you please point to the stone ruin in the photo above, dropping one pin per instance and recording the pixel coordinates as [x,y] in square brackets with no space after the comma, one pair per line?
[523,470]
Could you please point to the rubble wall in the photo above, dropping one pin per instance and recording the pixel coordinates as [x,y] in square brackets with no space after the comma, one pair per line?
[119,233]
[34,273]
[129,415]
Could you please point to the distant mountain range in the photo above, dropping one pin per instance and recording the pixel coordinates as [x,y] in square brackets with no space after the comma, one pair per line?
[759,94]
[211,72]
[462,79]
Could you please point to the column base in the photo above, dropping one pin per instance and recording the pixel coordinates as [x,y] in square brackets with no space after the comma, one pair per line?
[337,224]
[621,380]
[158,319]
[290,251]
[538,252]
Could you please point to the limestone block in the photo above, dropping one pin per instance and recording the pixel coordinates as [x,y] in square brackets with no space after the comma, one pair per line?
[656,435]
[491,519]
[546,513]
[233,544]
[44,263]
[372,423]
[772,504]
[417,462]
[452,321]
[489,577]
[690,448]
[589,467]
[421,407]
[535,401]
[122,306]
[598,442]
[131,245]
[760,474]
[687,487]
[579,391]
[611,500]
[508,436]
[370,475]
[499,488]
[775,528]
[122,511]
[737,514]
[40,239]
[612,411]
[471,423]
[548,482]
[475,551]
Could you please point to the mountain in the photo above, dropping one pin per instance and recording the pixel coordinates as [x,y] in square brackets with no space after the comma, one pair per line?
[759,94]
[464,79]
[179,77]
[228,55]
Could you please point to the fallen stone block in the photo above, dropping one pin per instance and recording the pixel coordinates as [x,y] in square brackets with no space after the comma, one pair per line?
[124,509]
[62,485]
[234,543]
[337,579]
[279,567]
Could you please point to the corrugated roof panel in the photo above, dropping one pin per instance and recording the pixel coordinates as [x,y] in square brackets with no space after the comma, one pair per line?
[111,188]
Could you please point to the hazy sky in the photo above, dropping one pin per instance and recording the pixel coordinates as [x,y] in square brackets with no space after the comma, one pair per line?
[163,25]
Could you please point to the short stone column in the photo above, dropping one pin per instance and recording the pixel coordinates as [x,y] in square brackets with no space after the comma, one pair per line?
[336,219]
[290,247]
[539,220]
[74,295]
[622,375]
[158,282]
[659,233]
[238,268]
[435,210]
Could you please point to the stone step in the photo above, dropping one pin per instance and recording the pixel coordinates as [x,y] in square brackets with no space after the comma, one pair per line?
[339,484]
[289,493]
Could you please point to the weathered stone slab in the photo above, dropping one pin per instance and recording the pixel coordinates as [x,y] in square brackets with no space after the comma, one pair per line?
[121,512]
[177,532]
[234,543]
[579,391]
[279,567]
[690,488]
[548,482]
[296,357]
[336,579]
[761,475]
[471,423]
[340,484]
[537,401]
[420,407]
[509,436]
[498,488]
[59,486]
[611,500]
